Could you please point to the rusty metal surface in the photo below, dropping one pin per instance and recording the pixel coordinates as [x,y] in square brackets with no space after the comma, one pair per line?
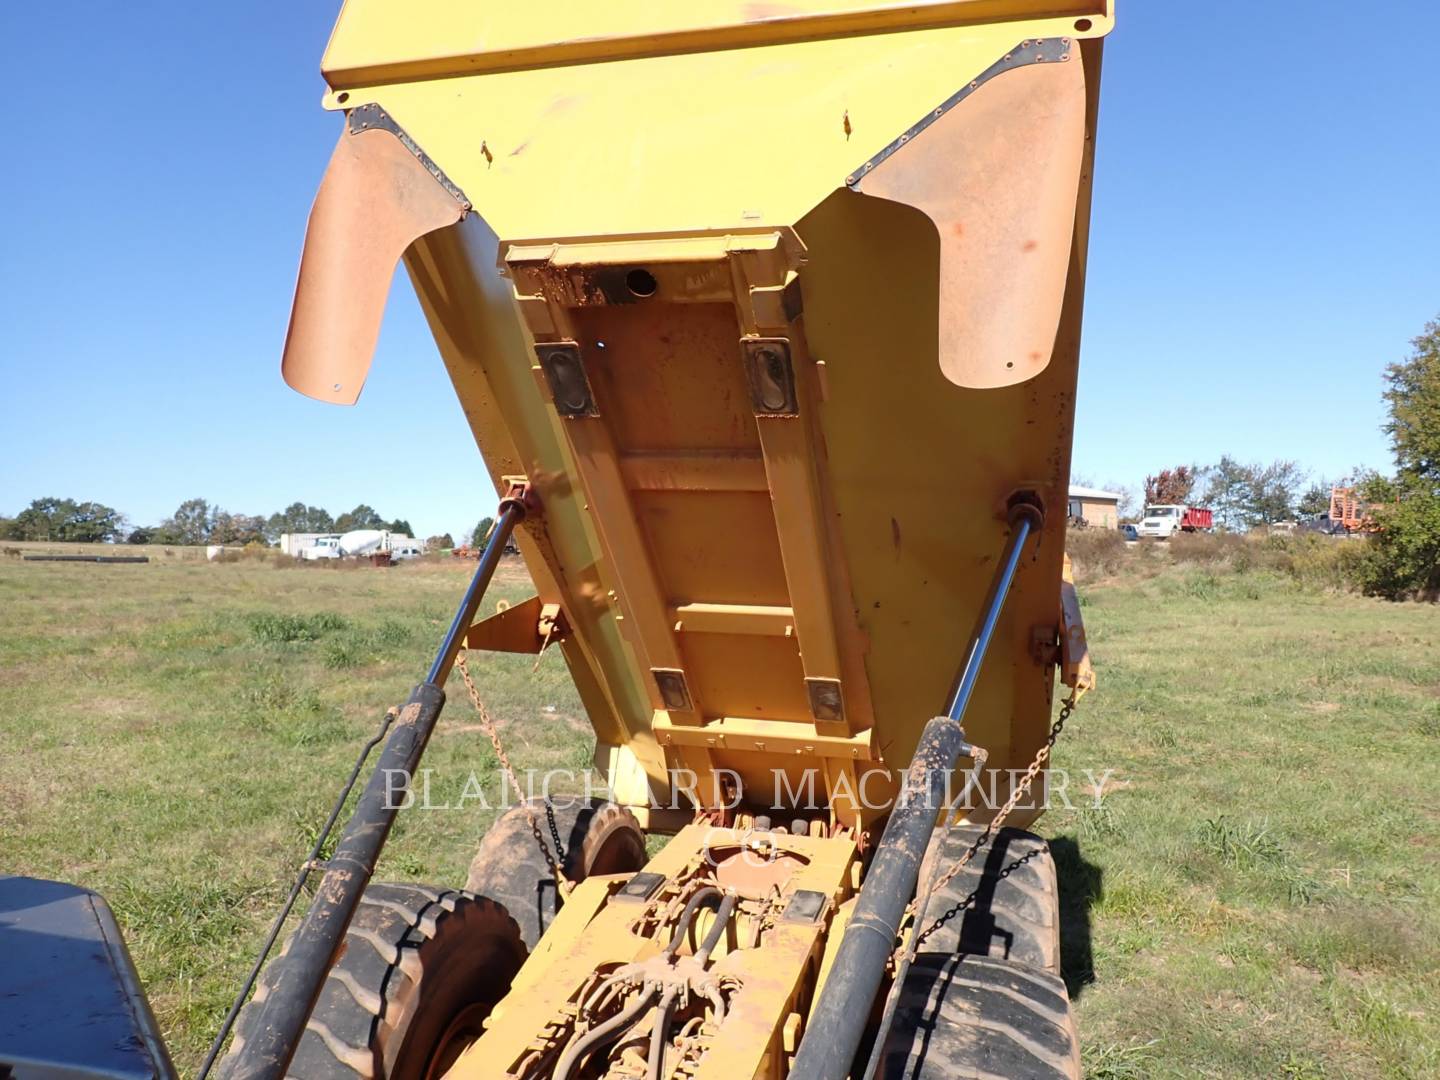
[377,199]
[525,627]
[999,177]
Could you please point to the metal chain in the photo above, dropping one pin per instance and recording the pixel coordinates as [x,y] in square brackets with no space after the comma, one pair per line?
[999,819]
[487,724]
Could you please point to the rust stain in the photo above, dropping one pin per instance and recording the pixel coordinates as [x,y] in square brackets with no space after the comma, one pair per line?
[895,533]
[958,228]
[1029,245]
[409,714]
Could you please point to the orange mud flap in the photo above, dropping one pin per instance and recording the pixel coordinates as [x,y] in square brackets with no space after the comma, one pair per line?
[380,194]
[999,178]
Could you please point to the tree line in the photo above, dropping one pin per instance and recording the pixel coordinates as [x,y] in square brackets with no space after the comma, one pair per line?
[1246,495]
[194,522]
[1243,495]
[1402,556]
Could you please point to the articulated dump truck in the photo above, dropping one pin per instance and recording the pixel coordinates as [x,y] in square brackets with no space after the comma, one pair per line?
[765,318]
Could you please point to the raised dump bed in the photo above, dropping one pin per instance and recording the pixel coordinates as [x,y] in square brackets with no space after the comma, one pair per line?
[776,307]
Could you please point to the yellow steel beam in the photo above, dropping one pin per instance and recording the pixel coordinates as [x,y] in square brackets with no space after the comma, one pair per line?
[377,42]
[794,737]
[761,619]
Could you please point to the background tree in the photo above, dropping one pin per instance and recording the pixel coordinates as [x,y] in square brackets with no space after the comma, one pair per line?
[1128,507]
[1315,501]
[1274,489]
[298,518]
[1245,496]
[1404,558]
[190,524]
[481,532]
[1412,392]
[66,520]
[8,529]
[362,517]
[1229,491]
[236,529]
[440,543]
[1170,486]
[401,526]
[41,519]
[141,535]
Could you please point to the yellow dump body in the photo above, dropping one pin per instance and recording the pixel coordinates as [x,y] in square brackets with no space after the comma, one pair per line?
[775,306]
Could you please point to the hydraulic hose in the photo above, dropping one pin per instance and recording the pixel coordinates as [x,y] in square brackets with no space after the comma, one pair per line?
[682,929]
[722,920]
[660,1037]
[598,1036]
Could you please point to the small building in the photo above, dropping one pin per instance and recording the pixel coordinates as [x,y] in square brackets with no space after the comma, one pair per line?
[1097,509]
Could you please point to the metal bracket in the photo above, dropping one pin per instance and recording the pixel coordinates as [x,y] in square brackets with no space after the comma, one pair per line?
[569,385]
[519,492]
[1045,645]
[806,905]
[640,887]
[1037,51]
[770,375]
[372,117]
[674,690]
[827,701]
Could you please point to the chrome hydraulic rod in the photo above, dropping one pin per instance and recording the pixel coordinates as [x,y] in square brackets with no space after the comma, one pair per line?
[300,974]
[837,1022]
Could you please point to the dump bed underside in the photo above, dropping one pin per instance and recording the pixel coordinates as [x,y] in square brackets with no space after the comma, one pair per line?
[798,314]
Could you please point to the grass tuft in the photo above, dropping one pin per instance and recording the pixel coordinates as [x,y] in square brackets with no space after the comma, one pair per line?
[273,628]
[1242,844]
[1116,1061]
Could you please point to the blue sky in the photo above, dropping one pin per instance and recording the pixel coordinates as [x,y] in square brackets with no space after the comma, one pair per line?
[1266,238]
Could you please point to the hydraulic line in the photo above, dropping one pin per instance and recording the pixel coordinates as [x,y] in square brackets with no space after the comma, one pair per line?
[682,929]
[717,931]
[660,1037]
[602,994]
[717,1002]
[598,1036]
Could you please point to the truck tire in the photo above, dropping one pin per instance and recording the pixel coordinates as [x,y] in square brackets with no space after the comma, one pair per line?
[976,1016]
[984,997]
[419,971]
[1005,903]
[599,838]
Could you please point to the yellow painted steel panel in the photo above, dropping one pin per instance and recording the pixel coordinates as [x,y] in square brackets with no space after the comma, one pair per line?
[731,139]
[379,40]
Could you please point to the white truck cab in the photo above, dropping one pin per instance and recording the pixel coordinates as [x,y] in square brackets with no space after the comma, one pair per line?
[1161,521]
[324,547]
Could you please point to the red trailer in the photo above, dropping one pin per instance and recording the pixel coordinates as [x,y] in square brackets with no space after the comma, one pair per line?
[1197,518]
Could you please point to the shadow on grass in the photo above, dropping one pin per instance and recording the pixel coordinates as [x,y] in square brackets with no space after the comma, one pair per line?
[1081,884]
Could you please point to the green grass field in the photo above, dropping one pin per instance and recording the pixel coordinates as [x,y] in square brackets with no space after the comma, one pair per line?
[1257,896]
